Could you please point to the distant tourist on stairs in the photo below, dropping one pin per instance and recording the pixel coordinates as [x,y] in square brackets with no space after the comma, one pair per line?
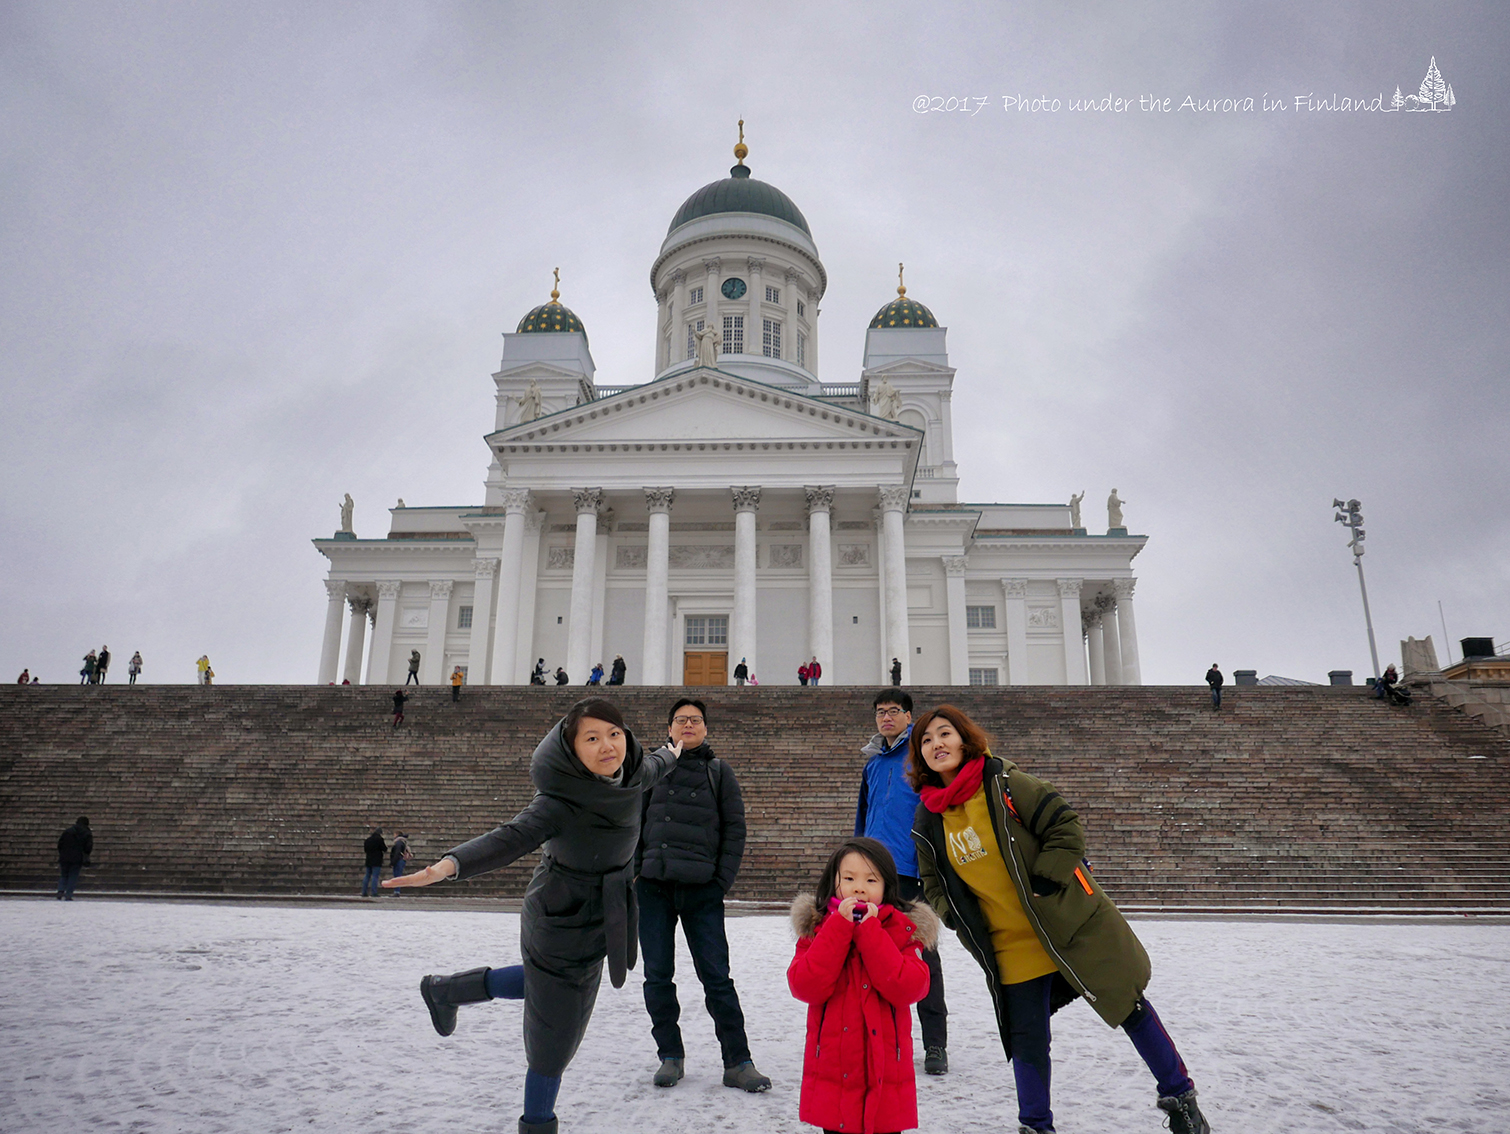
[25,678]
[458,679]
[374,847]
[75,845]
[596,676]
[202,666]
[413,668]
[616,674]
[102,664]
[802,674]
[537,676]
[561,676]
[398,854]
[814,671]
[1214,679]
[86,675]
[134,667]
[399,697]
[896,671]
[741,672]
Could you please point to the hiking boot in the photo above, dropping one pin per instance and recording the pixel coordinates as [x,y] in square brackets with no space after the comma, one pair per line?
[1184,1116]
[670,1072]
[443,993]
[537,1127]
[745,1077]
[1030,1130]
[936,1061]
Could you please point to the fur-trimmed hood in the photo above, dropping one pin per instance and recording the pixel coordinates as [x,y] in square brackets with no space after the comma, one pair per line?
[925,923]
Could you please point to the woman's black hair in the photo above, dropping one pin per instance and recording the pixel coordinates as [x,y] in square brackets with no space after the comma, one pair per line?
[597,707]
[878,856]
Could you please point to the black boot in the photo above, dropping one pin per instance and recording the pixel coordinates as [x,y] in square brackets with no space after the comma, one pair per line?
[443,993]
[537,1127]
[1184,1116]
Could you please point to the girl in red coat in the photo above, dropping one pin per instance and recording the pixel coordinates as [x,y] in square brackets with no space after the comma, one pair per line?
[859,968]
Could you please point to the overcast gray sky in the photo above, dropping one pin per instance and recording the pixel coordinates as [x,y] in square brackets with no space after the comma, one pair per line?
[256,256]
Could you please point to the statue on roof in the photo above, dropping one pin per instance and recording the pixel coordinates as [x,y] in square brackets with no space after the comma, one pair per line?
[529,402]
[887,400]
[1075,509]
[346,510]
[707,346]
[1114,511]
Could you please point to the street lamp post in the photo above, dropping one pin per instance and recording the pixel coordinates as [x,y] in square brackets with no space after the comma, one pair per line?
[1352,517]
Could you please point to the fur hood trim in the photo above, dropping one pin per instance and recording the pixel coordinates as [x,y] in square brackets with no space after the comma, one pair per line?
[925,923]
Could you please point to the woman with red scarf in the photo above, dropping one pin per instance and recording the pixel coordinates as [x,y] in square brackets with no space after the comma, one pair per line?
[1001,856]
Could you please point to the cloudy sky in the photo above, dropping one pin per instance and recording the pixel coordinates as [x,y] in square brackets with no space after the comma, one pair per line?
[256,256]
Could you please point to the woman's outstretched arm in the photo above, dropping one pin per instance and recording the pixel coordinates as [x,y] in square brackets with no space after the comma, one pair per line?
[544,818]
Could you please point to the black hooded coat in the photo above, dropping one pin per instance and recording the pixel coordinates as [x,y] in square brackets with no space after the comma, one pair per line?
[579,907]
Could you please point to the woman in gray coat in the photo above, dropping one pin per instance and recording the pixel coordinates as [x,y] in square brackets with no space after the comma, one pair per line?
[589,773]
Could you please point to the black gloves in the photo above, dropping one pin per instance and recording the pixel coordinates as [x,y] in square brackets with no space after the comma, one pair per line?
[1044,887]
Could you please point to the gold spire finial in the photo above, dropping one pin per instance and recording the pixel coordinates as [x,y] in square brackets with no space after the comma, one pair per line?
[556,289]
[741,150]
[901,287]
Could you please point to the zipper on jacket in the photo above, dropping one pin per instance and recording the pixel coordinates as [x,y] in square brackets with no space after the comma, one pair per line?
[995,984]
[818,1042]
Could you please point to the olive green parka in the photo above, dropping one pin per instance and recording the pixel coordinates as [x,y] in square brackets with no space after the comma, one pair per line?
[1096,952]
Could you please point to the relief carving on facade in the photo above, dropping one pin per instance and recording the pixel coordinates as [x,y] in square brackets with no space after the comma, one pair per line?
[630,557]
[786,555]
[560,558]
[854,554]
[702,557]
[1043,617]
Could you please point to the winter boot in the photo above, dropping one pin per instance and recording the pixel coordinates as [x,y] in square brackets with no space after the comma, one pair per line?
[745,1077]
[537,1127]
[1184,1116]
[670,1072]
[936,1061]
[443,993]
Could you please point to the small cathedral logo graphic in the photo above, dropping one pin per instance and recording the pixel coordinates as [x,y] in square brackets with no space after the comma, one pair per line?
[1435,94]
[965,846]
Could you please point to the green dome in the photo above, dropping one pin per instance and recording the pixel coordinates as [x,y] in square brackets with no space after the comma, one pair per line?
[739,193]
[552,317]
[904,312]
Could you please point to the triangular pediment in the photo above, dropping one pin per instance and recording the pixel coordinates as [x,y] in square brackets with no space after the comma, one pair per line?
[908,366]
[705,405]
[536,369]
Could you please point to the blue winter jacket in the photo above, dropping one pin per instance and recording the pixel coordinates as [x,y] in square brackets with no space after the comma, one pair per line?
[887,801]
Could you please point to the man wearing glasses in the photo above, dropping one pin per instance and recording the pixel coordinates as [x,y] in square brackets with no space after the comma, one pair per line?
[692,838]
[887,804]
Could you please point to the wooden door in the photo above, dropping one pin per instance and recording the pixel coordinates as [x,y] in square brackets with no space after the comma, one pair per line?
[704,667]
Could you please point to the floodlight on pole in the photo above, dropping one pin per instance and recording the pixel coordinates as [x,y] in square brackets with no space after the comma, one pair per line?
[1351,516]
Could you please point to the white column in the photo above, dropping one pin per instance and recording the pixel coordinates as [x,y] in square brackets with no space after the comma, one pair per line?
[371,626]
[893,507]
[742,622]
[330,645]
[529,581]
[1015,594]
[1111,642]
[484,571]
[880,530]
[356,638]
[432,669]
[595,651]
[1071,628]
[1127,630]
[382,632]
[711,298]
[510,563]
[658,503]
[584,562]
[1098,657]
[753,343]
[959,633]
[820,578]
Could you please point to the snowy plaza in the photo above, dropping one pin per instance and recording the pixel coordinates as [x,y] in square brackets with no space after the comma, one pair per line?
[241,1017]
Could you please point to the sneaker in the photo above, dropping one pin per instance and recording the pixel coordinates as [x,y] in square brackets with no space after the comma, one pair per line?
[936,1061]
[1030,1130]
[745,1077]
[1184,1116]
[669,1073]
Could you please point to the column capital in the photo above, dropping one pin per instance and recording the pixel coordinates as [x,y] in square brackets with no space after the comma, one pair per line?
[893,497]
[587,500]
[357,605]
[1124,587]
[746,498]
[754,264]
[1015,588]
[677,276]
[534,521]
[389,589]
[820,498]
[1092,618]
[335,589]
[440,588]
[659,499]
[954,565]
[1069,588]
[712,265]
[516,501]
[484,568]
[1106,603]
[790,276]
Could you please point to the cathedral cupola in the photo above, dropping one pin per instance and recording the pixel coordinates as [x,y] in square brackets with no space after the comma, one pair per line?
[739,193]
[903,312]
[552,316]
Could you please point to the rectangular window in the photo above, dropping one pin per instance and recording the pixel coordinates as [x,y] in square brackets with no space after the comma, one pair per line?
[773,295]
[734,334]
[464,618]
[695,296]
[692,329]
[801,349]
[707,630]
[980,618]
[984,676]
[801,309]
[770,339]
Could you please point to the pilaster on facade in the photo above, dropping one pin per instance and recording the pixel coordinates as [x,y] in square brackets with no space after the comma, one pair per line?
[742,620]
[955,567]
[1015,599]
[484,571]
[1069,622]
[356,637]
[382,635]
[1127,631]
[432,668]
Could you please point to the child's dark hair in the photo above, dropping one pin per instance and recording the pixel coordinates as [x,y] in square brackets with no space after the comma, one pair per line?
[878,856]
[596,707]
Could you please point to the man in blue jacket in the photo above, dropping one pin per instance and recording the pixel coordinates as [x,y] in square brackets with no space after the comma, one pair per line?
[887,803]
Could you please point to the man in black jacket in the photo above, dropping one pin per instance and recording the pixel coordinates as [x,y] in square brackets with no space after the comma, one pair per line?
[692,839]
[374,847]
[75,845]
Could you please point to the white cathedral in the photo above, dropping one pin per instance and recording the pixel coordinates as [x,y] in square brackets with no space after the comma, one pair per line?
[736,507]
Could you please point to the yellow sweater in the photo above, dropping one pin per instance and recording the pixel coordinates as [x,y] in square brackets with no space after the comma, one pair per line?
[976,858]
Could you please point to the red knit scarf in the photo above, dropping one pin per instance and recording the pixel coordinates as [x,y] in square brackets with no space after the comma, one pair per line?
[966,783]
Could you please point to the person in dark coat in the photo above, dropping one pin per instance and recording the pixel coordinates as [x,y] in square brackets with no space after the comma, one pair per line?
[537,676]
[616,674]
[87,674]
[414,660]
[75,845]
[896,671]
[1214,679]
[1002,856]
[399,697]
[579,909]
[102,664]
[741,672]
[561,677]
[692,841]
[374,847]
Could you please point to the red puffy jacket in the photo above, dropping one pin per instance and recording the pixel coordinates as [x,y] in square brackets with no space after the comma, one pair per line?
[859,981]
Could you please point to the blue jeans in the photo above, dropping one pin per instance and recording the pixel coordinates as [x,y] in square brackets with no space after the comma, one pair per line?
[68,878]
[371,880]
[700,909]
[1216,696]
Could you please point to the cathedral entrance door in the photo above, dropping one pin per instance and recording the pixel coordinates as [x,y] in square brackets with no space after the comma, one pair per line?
[705,668]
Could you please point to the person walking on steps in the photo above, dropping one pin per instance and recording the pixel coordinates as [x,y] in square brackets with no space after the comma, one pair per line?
[398,855]
[374,847]
[75,845]
[1002,857]
[399,697]
[1214,679]
[692,840]
[561,676]
[741,672]
[134,667]
[579,910]
[413,668]
[884,812]
[458,679]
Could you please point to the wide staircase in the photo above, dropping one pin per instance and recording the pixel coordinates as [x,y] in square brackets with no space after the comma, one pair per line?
[1289,799]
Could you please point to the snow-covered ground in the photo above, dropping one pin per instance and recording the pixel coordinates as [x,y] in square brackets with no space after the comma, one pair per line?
[139,1016]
